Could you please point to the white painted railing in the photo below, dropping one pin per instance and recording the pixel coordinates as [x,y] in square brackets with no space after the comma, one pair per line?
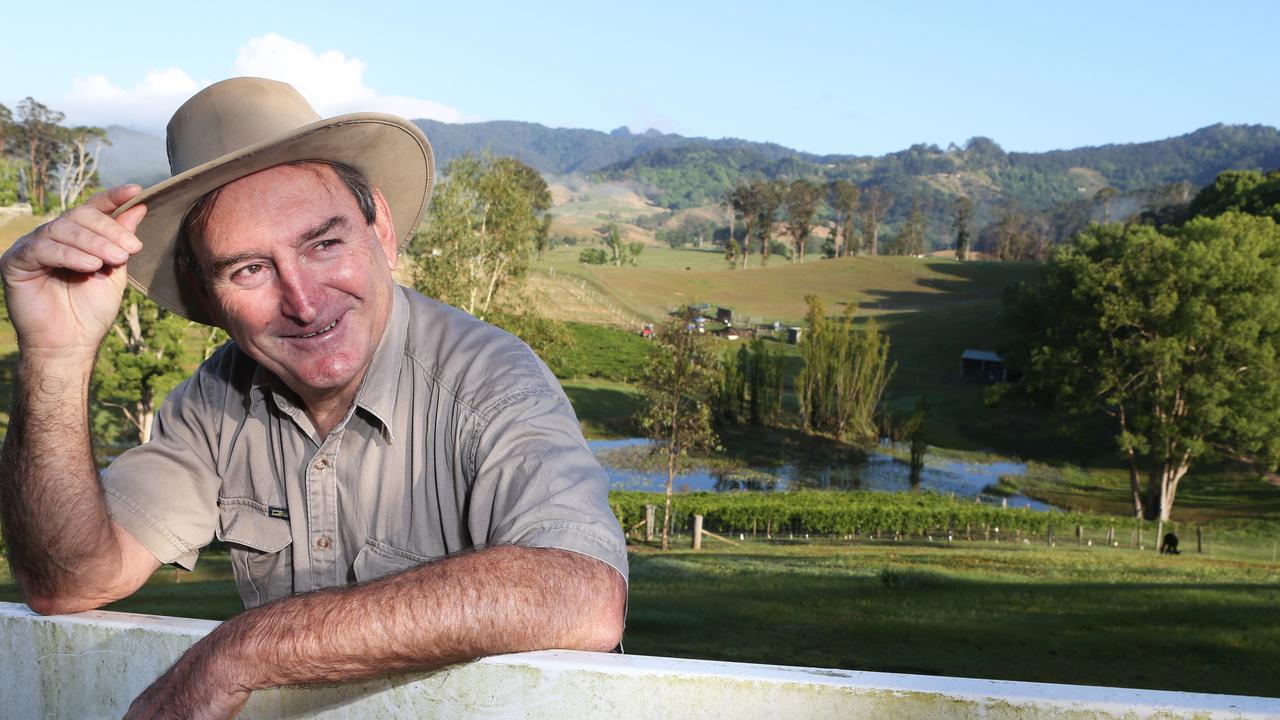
[92,665]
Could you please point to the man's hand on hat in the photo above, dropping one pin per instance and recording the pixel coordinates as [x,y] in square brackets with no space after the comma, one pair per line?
[64,281]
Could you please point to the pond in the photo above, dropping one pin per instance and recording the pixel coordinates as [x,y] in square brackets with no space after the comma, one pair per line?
[879,471]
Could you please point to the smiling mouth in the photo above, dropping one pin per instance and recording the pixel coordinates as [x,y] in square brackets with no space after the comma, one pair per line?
[322,330]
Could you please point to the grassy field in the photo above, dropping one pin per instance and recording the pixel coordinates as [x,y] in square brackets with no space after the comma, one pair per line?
[932,311]
[1066,615]
[665,277]
[606,408]
[580,208]
[974,610]
[13,227]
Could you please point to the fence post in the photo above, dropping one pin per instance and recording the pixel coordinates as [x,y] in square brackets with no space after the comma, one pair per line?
[1079,535]
[1199,541]
[650,511]
[1049,536]
[697,532]
[1111,536]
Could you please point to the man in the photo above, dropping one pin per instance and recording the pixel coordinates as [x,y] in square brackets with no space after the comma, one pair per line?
[400,485]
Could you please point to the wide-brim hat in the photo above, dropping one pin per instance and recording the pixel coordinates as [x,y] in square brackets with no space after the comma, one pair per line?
[243,125]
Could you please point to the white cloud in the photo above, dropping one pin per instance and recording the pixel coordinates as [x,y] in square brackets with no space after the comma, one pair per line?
[332,82]
[95,100]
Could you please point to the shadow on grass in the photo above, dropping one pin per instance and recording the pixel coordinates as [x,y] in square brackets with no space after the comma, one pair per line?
[774,446]
[609,408]
[1206,637]
[959,283]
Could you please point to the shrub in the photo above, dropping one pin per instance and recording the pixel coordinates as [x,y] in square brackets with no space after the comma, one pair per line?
[593,256]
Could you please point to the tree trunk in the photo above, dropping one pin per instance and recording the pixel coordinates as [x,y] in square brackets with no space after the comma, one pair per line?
[666,512]
[1162,487]
[1135,486]
[146,418]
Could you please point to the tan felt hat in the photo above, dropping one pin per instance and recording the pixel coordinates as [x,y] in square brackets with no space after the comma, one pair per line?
[239,126]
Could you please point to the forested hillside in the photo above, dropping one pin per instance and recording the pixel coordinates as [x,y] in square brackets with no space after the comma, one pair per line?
[559,151]
[1060,191]
[692,175]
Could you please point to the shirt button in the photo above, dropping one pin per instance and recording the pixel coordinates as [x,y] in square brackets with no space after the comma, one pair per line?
[321,464]
[323,542]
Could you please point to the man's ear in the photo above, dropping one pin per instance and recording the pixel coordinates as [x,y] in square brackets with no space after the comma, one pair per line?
[385,228]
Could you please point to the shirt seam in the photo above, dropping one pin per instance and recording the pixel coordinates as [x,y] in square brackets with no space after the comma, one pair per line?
[577,529]
[497,406]
[146,517]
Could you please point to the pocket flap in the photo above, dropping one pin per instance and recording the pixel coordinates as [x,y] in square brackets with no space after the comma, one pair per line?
[378,559]
[244,524]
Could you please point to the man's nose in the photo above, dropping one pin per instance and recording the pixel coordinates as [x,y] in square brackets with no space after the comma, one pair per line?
[299,295]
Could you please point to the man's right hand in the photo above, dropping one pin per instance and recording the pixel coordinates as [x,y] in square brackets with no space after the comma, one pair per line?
[64,281]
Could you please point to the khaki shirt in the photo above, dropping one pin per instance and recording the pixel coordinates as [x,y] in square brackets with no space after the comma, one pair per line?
[459,438]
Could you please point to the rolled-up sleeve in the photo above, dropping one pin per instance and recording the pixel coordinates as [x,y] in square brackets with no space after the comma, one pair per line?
[164,492]
[537,483]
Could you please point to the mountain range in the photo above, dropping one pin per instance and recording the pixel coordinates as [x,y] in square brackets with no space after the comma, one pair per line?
[678,172]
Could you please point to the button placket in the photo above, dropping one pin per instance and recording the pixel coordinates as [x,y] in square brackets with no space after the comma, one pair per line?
[322,514]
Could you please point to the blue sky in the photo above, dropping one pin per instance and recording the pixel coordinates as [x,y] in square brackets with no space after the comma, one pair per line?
[834,77]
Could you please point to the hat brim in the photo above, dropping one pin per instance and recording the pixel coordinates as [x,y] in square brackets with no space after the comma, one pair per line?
[392,153]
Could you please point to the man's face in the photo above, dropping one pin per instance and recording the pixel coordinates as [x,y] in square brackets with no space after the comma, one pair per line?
[298,279]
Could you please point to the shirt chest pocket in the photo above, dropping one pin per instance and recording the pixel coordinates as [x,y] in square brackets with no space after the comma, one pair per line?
[262,566]
[377,559]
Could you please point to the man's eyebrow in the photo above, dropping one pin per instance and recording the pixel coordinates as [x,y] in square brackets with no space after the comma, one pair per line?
[221,264]
[323,228]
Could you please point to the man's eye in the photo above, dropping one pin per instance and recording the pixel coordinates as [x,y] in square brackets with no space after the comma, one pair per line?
[248,270]
[326,244]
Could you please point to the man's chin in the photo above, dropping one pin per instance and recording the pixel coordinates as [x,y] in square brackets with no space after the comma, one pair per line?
[328,375]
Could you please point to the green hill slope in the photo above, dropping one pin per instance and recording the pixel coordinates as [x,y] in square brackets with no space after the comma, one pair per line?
[667,278]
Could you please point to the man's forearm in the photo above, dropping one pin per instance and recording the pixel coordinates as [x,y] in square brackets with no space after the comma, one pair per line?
[498,600]
[55,522]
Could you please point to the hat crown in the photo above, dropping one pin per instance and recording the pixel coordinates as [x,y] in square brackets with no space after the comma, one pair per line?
[231,115]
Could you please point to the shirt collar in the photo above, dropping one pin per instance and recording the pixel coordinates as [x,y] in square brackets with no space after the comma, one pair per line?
[377,391]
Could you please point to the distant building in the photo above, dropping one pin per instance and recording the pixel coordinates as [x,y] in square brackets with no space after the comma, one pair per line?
[982,366]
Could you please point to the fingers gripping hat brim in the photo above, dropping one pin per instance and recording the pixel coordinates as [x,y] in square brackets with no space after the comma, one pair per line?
[392,153]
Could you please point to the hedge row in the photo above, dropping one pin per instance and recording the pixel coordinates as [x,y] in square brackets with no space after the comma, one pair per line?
[853,512]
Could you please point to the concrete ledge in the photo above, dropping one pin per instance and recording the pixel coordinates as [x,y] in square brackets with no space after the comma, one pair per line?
[93,664]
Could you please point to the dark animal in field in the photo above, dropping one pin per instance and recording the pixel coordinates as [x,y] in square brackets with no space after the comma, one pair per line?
[1170,544]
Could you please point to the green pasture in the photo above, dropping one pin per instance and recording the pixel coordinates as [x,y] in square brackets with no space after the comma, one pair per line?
[605,408]
[1064,615]
[1094,616]
[665,277]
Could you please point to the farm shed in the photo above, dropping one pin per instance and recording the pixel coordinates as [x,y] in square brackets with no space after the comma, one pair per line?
[982,366]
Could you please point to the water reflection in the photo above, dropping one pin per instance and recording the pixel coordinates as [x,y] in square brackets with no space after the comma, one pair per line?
[878,472]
